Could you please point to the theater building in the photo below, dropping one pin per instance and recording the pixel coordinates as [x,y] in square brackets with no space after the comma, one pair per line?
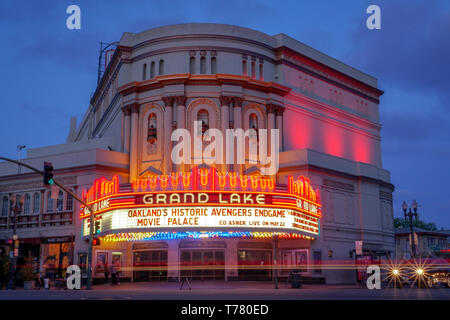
[201,218]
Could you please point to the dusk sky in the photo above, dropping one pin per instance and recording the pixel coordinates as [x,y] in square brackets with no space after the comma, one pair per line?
[50,72]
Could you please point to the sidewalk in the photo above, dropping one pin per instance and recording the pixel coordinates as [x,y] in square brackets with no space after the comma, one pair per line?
[215,285]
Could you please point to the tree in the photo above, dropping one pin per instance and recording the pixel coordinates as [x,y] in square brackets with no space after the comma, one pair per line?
[404,223]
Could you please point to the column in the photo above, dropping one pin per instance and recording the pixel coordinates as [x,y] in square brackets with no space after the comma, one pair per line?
[126,129]
[134,108]
[224,125]
[270,123]
[173,264]
[168,101]
[180,102]
[237,115]
[279,121]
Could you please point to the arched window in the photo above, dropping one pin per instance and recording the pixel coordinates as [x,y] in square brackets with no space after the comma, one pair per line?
[5,206]
[36,202]
[261,72]
[161,67]
[244,67]
[27,204]
[192,65]
[202,65]
[69,202]
[49,202]
[213,65]
[253,125]
[203,117]
[152,70]
[144,71]
[152,133]
[59,202]
[253,70]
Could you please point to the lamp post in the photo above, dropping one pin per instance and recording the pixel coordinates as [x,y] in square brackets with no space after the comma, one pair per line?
[410,215]
[16,208]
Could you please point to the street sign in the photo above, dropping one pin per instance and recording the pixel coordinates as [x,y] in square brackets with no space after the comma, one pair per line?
[359,248]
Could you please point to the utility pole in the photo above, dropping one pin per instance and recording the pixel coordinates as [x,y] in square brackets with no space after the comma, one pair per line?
[16,208]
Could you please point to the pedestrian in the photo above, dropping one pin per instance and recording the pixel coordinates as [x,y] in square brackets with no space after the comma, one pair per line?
[106,272]
[113,273]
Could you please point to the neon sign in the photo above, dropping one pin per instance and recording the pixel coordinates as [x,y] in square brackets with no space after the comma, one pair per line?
[204,199]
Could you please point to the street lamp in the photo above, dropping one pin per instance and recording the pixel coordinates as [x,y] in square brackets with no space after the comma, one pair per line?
[410,215]
[16,208]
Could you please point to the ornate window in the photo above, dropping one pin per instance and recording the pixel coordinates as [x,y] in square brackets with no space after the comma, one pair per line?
[192,65]
[27,204]
[202,65]
[69,203]
[5,206]
[152,133]
[244,67]
[213,65]
[161,67]
[253,125]
[144,71]
[59,202]
[36,202]
[261,72]
[203,116]
[49,202]
[253,70]
[152,70]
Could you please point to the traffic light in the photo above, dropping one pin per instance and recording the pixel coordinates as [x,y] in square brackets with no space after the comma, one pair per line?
[48,173]
[96,242]
[97,227]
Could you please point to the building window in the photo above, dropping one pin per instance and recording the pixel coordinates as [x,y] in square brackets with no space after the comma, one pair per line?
[261,72]
[27,204]
[253,70]
[202,65]
[213,65]
[253,125]
[203,117]
[192,65]
[152,70]
[59,202]
[5,206]
[49,202]
[151,134]
[161,67]
[69,203]
[144,71]
[36,202]
[244,67]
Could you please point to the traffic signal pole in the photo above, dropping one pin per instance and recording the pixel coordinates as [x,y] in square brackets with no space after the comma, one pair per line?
[88,207]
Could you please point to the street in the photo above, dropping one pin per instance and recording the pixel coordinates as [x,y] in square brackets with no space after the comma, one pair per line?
[225,291]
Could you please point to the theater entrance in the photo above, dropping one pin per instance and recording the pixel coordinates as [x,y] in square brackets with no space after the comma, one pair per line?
[202,264]
[150,265]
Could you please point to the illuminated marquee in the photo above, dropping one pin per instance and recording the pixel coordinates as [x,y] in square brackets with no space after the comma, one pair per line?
[204,200]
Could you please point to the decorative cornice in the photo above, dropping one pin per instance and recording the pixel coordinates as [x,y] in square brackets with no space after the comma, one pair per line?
[279,110]
[133,107]
[126,110]
[180,100]
[238,102]
[168,101]
[226,100]
[271,107]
